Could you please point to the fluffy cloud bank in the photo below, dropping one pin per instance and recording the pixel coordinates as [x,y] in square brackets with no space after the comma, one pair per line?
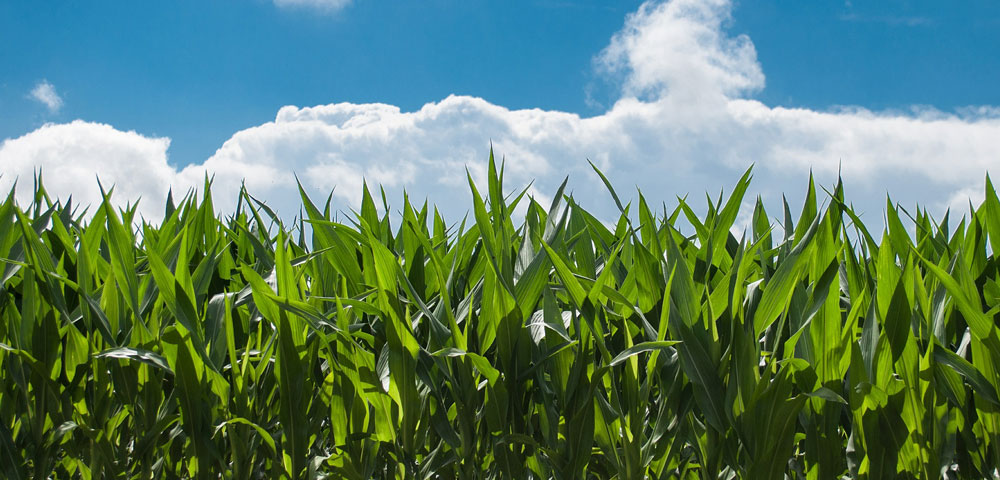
[686,122]
[71,156]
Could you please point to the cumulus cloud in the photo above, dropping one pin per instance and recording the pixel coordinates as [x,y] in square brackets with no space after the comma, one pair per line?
[685,122]
[679,48]
[45,93]
[71,156]
[322,5]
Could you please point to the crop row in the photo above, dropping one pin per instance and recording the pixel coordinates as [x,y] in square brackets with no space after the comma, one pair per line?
[393,344]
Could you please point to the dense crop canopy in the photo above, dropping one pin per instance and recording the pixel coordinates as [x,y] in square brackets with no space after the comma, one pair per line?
[550,346]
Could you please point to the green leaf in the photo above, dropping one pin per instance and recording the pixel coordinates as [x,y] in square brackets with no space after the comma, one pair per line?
[642,348]
[975,378]
[150,358]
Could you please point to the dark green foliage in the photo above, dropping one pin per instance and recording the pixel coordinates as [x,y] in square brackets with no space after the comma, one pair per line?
[558,346]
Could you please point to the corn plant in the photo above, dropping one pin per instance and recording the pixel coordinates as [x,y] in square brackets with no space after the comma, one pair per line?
[394,344]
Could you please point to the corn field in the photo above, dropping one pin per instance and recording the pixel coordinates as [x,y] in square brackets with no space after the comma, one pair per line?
[392,344]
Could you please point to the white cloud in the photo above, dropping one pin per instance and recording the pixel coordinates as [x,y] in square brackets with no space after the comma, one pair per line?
[678,48]
[685,123]
[322,5]
[45,93]
[70,157]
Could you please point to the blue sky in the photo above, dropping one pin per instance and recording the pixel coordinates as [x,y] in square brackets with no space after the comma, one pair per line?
[204,73]
[198,71]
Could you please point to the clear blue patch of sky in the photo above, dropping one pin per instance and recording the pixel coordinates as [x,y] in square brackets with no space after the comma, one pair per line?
[198,71]
[880,55]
